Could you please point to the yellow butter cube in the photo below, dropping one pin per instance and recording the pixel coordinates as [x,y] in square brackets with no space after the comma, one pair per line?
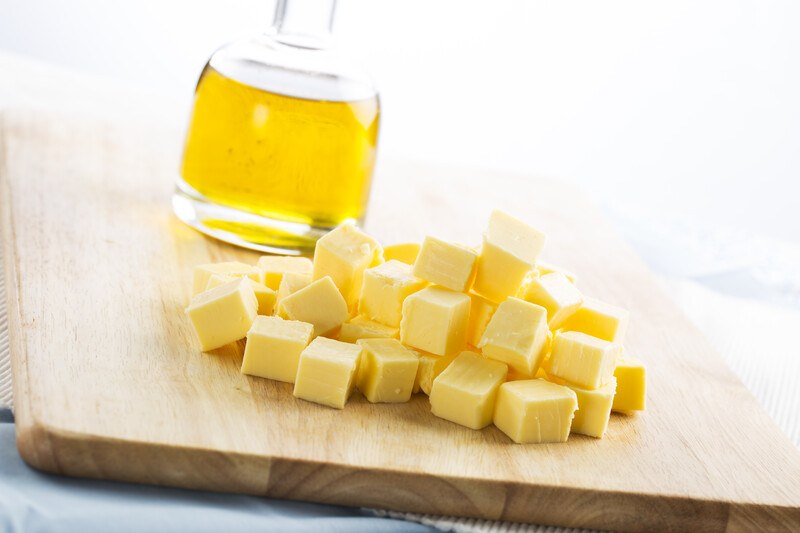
[465,392]
[387,371]
[291,282]
[517,336]
[582,359]
[264,295]
[535,411]
[385,288]
[223,314]
[543,268]
[509,251]
[594,409]
[447,264]
[362,328]
[480,312]
[344,254]
[430,366]
[273,347]
[405,253]
[555,293]
[631,385]
[435,320]
[273,268]
[326,372]
[230,269]
[320,304]
[600,320]
[266,298]
[215,280]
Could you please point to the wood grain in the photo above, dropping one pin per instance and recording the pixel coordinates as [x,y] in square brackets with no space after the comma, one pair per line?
[109,382]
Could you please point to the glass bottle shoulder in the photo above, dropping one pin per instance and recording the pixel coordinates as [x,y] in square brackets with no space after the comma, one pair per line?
[264,62]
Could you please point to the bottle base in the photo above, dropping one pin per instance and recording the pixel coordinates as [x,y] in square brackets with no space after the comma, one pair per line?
[243,229]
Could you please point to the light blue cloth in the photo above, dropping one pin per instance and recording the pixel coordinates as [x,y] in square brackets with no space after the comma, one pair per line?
[31,501]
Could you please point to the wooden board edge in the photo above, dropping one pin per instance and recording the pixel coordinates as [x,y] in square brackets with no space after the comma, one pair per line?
[85,456]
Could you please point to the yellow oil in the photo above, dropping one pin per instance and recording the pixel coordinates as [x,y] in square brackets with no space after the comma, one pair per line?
[281,157]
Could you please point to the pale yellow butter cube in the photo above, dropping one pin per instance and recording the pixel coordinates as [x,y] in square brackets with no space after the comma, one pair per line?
[274,267]
[223,314]
[447,264]
[385,288]
[264,295]
[291,282]
[215,280]
[387,371]
[273,347]
[535,411]
[360,327]
[509,251]
[320,304]
[326,372]
[344,254]
[582,359]
[430,366]
[599,319]
[405,252]
[435,320]
[230,269]
[555,293]
[543,268]
[517,336]
[631,385]
[480,312]
[465,392]
[594,409]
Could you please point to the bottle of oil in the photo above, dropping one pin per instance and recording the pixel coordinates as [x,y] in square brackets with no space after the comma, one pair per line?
[282,139]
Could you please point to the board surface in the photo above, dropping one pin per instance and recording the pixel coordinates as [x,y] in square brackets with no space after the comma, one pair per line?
[110,383]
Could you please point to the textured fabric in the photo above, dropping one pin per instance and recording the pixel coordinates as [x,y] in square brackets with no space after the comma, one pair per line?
[742,291]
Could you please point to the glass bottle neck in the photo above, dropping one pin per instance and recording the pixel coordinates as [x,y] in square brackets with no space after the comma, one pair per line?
[304,23]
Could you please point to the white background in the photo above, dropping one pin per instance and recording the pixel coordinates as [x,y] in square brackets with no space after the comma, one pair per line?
[684,107]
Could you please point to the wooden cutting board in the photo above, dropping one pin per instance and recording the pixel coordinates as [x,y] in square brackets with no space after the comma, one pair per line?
[110,383]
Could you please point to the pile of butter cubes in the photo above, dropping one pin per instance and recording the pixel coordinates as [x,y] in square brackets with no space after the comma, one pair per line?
[490,335]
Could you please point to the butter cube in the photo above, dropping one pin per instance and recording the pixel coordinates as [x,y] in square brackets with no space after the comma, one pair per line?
[509,252]
[230,269]
[430,366]
[320,304]
[600,320]
[582,359]
[291,282]
[594,409]
[344,254]
[264,295]
[405,253]
[465,392]
[362,328]
[273,347]
[631,385]
[517,336]
[544,268]
[450,265]
[387,371]
[385,288]
[555,293]
[326,372]
[223,314]
[274,267]
[480,312]
[435,320]
[535,410]
[215,280]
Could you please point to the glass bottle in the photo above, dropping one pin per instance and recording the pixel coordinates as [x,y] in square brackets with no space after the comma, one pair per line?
[282,139]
